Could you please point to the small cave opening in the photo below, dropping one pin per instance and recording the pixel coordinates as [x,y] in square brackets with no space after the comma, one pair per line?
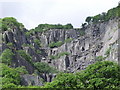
[83,48]
[67,62]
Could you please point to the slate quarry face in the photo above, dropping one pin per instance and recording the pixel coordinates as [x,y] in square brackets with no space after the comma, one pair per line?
[83,50]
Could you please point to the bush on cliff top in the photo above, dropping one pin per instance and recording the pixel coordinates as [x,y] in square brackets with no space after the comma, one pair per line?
[112,13]
[10,22]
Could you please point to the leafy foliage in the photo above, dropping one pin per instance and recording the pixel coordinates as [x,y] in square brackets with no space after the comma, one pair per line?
[25,55]
[44,67]
[57,44]
[63,80]
[10,45]
[112,13]
[107,53]
[100,58]
[21,70]
[44,27]
[6,56]
[37,41]
[101,75]
[82,32]
[10,22]
[10,76]
[88,19]
[59,55]
[68,40]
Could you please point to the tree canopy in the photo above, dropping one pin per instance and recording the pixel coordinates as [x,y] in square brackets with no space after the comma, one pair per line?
[9,22]
[112,13]
[101,75]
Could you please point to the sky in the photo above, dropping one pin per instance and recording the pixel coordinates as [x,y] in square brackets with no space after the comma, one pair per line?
[34,12]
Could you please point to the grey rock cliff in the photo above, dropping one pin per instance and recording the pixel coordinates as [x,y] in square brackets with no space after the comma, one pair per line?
[83,50]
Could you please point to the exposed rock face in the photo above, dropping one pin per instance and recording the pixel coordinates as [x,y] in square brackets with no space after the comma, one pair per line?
[99,40]
[84,50]
[31,80]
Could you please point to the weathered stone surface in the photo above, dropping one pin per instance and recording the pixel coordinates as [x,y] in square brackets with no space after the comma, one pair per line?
[82,50]
[29,80]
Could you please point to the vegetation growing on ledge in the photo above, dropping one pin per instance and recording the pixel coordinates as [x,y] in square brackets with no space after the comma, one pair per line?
[9,22]
[112,13]
[44,27]
[59,55]
[44,67]
[25,55]
[57,44]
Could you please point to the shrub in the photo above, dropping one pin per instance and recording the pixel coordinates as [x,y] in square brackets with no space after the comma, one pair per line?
[107,53]
[57,44]
[68,26]
[21,70]
[100,58]
[68,40]
[38,52]
[9,22]
[101,75]
[6,56]
[24,55]
[37,41]
[45,27]
[59,55]
[10,77]
[82,32]
[88,19]
[63,53]
[28,33]
[10,45]
[54,57]
[44,67]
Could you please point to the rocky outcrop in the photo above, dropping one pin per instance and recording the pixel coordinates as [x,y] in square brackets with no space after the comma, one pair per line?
[100,39]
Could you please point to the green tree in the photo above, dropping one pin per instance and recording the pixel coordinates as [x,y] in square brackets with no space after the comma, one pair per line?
[63,80]
[101,75]
[68,26]
[88,19]
[10,22]
[44,67]
[6,56]
[10,77]
[21,70]
[24,55]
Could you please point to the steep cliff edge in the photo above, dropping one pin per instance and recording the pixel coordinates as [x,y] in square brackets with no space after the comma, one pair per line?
[63,49]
